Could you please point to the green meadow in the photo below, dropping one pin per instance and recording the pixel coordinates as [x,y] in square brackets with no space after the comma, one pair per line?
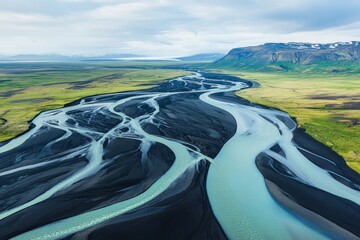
[28,89]
[326,105]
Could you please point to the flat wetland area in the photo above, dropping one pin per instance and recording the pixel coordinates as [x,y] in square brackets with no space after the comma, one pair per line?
[326,105]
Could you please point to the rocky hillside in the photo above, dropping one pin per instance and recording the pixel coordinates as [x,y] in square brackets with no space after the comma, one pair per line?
[285,56]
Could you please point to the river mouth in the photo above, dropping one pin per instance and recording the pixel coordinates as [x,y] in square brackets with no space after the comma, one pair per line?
[183,160]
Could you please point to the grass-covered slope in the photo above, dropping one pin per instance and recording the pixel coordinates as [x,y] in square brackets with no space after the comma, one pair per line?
[299,57]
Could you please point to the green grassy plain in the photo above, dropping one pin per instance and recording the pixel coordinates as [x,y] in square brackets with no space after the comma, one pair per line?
[326,105]
[27,89]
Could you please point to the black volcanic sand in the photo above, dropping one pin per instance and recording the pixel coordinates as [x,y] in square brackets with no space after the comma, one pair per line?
[123,178]
[334,163]
[183,210]
[100,121]
[204,126]
[309,202]
[124,173]
[322,224]
[339,217]
[184,215]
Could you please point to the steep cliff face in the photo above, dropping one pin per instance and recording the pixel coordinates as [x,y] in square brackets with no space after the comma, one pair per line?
[287,54]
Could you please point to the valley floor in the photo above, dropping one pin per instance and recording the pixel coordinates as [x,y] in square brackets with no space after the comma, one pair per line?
[327,106]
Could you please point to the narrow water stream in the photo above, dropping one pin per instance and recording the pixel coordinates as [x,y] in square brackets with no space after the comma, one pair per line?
[85,133]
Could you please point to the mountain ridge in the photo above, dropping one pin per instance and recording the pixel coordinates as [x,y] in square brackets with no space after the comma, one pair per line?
[200,57]
[287,56]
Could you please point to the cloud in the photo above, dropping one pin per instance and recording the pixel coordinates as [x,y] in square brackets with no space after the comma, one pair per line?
[318,15]
[23,18]
[126,11]
[169,27]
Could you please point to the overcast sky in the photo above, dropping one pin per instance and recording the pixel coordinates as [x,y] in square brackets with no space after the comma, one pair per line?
[170,27]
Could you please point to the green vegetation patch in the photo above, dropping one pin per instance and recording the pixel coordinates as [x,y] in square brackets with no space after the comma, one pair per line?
[26,90]
[325,105]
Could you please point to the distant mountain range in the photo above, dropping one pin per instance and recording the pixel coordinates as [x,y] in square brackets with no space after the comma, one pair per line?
[334,57]
[203,57]
[286,56]
[62,58]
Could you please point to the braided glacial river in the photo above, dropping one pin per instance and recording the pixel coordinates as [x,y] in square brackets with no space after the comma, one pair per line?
[184,160]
